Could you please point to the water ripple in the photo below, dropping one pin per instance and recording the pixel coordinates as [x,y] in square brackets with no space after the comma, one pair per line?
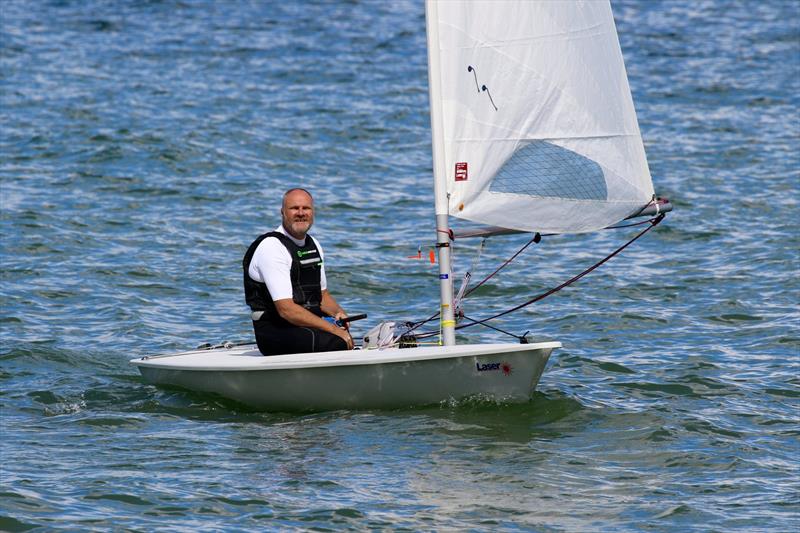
[144,146]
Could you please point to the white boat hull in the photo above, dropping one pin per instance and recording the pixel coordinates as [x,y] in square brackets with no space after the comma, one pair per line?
[358,379]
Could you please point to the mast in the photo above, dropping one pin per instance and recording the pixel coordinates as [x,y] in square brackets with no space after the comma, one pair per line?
[439,175]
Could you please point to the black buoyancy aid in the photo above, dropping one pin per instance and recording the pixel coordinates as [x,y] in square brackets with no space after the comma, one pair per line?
[305,276]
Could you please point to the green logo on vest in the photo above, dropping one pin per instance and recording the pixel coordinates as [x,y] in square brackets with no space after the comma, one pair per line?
[301,253]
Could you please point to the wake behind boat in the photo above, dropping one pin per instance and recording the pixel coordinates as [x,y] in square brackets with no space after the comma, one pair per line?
[355,379]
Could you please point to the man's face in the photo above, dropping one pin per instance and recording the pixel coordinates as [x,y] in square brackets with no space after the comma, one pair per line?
[297,213]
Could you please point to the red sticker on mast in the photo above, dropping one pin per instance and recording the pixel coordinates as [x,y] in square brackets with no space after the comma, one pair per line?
[461,172]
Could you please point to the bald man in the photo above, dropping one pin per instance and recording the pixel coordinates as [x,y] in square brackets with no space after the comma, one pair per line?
[286,288]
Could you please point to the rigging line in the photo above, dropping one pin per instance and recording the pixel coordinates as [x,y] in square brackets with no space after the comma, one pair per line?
[535,299]
[414,325]
[449,233]
[536,238]
[631,225]
[203,347]
[495,328]
[467,277]
[426,334]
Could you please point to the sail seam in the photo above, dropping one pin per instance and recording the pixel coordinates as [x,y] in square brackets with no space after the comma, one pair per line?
[588,32]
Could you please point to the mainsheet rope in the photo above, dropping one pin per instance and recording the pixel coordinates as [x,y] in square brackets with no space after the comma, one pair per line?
[414,325]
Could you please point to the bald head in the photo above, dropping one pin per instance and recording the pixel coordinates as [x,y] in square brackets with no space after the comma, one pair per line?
[297,212]
[296,189]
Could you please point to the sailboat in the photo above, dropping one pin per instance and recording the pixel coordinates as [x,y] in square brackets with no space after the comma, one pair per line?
[533,130]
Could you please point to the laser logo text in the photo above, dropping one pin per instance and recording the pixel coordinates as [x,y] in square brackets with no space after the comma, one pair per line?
[489,367]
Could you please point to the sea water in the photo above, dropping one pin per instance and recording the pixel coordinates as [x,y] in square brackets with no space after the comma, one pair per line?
[145,144]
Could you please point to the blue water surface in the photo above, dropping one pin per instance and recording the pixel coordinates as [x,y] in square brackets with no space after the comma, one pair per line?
[145,144]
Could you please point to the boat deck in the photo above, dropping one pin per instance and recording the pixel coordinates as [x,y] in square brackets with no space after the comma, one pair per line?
[247,357]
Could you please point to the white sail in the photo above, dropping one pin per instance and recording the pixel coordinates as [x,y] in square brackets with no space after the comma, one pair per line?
[537,131]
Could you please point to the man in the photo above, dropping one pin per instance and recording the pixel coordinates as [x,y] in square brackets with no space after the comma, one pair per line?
[286,288]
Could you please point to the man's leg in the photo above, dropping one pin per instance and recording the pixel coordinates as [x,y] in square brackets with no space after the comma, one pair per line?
[295,339]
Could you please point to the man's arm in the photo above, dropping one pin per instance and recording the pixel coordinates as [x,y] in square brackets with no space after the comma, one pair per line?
[330,307]
[300,316]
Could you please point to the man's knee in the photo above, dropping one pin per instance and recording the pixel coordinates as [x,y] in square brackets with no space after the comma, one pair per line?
[332,343]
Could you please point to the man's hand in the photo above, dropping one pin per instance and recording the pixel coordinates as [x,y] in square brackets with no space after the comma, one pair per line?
[339,316]
[300,316]
[344,334]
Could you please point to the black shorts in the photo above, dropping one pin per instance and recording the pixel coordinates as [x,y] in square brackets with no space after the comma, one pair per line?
[279,340]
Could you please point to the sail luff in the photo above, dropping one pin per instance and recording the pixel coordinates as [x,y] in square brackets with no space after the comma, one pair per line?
[439,175]
[437,120]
